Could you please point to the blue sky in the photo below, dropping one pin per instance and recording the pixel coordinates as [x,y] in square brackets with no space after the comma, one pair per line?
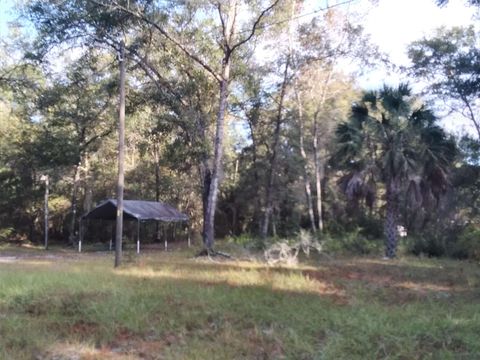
[6,14]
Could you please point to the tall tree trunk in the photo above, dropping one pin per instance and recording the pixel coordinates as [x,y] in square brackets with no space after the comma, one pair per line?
[318,173]
[306,179]
[88,199]
[121,160]
[73,222]
[156,158]
[258,202]
[212,196]
[390,226]
[316,150]
[209,221]
[274,157]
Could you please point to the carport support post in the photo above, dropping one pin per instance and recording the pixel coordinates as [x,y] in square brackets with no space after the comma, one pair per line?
[138,236]
[165,234]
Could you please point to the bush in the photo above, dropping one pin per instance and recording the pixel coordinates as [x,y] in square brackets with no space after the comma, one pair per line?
[247,241]
[6,234]
[353,242]
[468,244]
[452,240]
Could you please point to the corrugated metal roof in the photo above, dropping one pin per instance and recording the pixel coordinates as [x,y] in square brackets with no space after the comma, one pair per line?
[136,209]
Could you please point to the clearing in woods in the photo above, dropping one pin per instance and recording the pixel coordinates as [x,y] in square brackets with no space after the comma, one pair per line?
[63,305]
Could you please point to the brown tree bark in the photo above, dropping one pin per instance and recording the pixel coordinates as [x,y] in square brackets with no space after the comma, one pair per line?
[390,225]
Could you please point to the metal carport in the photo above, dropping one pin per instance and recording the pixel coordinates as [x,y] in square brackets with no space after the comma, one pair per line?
[134,210]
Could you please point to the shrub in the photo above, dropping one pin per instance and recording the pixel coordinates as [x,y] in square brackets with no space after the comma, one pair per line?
[468,244]
[352,242]
[6,234]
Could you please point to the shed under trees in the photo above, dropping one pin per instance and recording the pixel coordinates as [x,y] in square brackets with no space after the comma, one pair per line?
[134,210]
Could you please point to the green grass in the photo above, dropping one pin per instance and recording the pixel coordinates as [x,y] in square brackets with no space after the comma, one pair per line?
[171,306]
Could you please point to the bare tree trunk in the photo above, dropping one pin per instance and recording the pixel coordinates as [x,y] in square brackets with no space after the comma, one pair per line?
[88,200]
[258,203]
[274,157]
[316,151]
[73,222]
[212,196]
[156,158]
[209,231]
[318,174]
[306,179]
[121,160]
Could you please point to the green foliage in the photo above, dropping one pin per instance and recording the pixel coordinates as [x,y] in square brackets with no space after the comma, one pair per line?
[449,62]
[468,244]
[6,233]
[351,242]
[457,241]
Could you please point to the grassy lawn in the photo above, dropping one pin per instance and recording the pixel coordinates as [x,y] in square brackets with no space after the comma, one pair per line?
[62,305]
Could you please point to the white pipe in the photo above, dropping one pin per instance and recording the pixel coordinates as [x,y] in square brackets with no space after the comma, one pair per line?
[80,246]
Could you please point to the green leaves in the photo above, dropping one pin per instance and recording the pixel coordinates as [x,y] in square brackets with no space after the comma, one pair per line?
[385,134]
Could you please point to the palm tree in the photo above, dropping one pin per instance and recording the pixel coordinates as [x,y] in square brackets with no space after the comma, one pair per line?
[393,140]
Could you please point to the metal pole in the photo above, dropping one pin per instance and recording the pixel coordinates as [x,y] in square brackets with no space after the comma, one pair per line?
[138,236]
[165,234]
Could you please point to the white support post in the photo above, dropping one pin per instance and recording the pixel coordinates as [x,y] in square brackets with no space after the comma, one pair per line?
[165,234]
[188,229]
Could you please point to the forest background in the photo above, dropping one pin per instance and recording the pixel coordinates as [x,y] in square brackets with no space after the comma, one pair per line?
[295,152]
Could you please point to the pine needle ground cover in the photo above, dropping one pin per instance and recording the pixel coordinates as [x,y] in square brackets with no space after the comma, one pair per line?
[61,305]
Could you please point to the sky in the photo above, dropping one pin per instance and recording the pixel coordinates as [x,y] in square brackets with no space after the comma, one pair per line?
[393,24]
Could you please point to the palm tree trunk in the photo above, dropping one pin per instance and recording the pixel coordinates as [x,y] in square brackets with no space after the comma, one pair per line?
[391,225]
